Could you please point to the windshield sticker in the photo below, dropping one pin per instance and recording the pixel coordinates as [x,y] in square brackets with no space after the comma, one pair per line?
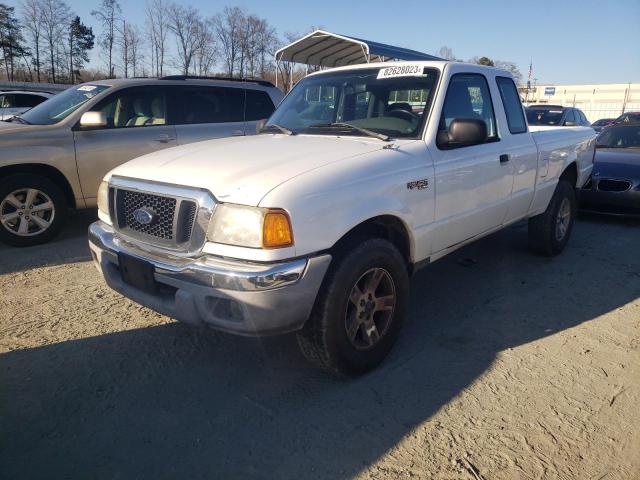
[87,88]
[402,71]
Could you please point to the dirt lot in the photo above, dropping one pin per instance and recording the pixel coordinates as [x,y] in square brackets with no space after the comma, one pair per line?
[510,366]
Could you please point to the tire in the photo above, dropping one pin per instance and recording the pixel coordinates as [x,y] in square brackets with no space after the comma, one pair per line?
[21,226]
[325,340]
[550,231]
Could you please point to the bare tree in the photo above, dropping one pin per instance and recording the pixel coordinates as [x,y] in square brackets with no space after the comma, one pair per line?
[187,26]
[32,21]
[446,53]
[135,48]
[206,50]
[158,27]
[108,14]
[227,26]
[122,41]
[56,18]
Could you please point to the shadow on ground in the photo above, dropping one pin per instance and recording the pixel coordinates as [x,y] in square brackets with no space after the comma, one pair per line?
[171,402]
[69,246]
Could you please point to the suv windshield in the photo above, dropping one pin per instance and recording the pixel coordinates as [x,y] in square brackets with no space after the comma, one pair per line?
[57,108]
[543,116]
[619,137]
[392,101]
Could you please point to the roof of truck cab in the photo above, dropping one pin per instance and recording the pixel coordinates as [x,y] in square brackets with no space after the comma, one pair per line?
[439,64]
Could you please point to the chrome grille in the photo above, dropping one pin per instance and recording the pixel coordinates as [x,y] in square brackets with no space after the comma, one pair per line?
[163,209]
[172,217]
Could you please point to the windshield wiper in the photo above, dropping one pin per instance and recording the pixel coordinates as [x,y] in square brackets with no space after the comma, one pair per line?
[367,132]
[17,118]
[282,129]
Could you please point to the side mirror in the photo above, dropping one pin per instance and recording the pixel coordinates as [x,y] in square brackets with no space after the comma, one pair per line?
[260,124]
[569,123]
[463,132]
[93,120]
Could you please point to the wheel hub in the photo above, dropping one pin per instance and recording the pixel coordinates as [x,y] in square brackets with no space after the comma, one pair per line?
[370,309]
[26,212]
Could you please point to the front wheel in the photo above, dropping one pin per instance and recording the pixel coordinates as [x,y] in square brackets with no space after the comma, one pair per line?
[550,231]
[32,210]
[358,314]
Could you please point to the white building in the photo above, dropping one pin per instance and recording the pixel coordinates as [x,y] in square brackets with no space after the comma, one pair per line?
[596,101]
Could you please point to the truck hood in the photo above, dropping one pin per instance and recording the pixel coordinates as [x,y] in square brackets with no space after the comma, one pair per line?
[244,169]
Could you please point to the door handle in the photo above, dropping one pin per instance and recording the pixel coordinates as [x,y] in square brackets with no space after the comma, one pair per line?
[237,133]
[504,158]
[164,138]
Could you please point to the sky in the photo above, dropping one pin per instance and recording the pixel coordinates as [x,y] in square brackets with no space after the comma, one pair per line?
[568,42]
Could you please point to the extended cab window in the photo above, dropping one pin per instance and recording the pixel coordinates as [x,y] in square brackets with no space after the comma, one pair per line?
[134,107]
[512,105]
[201,104]
[258,105]
[468,97]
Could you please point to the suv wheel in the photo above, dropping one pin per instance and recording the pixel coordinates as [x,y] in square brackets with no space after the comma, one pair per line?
[32,210]
[358,314]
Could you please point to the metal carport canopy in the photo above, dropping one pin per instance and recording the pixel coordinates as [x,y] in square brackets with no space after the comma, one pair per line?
[326,49]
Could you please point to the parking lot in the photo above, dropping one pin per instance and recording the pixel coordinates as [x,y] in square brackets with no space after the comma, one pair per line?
[511,365]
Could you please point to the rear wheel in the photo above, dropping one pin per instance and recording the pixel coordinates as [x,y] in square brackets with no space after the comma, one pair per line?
[32,210]
[550,231]
[358,314]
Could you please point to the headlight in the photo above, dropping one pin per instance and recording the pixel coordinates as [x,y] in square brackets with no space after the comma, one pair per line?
[250,227]
[103,198]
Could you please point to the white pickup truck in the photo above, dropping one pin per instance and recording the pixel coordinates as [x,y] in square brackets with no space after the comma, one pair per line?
[361,176]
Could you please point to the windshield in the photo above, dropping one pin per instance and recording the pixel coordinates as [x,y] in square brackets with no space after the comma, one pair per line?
[619,137]
[537,116]
[602,122]
[394,104]
[59,107]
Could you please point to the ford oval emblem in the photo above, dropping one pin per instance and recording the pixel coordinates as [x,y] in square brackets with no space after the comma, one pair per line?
[143,216]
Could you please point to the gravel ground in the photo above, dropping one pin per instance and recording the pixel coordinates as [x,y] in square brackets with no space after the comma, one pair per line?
[510,366]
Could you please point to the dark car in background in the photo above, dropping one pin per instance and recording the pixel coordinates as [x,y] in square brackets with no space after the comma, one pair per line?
[628,118]
[556,116]
[614,186]
[13,103]
[598,125]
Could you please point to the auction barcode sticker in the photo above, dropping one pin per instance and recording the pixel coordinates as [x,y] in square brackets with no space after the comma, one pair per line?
[401,71]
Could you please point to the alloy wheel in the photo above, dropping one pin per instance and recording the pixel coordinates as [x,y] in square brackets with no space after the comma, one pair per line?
[563,219]
[27,212]
[370,309]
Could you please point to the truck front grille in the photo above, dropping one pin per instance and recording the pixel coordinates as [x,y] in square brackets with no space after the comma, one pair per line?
[172,219]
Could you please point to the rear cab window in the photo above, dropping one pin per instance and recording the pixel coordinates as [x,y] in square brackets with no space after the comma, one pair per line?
[512,106]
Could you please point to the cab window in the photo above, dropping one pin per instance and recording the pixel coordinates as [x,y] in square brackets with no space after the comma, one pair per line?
[468,96]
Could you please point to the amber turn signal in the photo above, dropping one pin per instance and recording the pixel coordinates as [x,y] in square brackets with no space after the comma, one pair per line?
[276,230]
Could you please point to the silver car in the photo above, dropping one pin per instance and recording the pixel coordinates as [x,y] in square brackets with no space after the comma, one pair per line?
[54,156]
[16,102]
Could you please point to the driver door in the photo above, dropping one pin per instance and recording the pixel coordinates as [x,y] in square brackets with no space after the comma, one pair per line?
[137,124]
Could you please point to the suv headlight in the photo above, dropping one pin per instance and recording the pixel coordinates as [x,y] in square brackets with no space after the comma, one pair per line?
[103,198]
[250,227]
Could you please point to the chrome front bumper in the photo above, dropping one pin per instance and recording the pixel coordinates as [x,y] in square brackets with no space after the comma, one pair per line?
[234,296]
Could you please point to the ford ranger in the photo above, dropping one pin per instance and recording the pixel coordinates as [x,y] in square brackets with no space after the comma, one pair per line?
[363,175]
